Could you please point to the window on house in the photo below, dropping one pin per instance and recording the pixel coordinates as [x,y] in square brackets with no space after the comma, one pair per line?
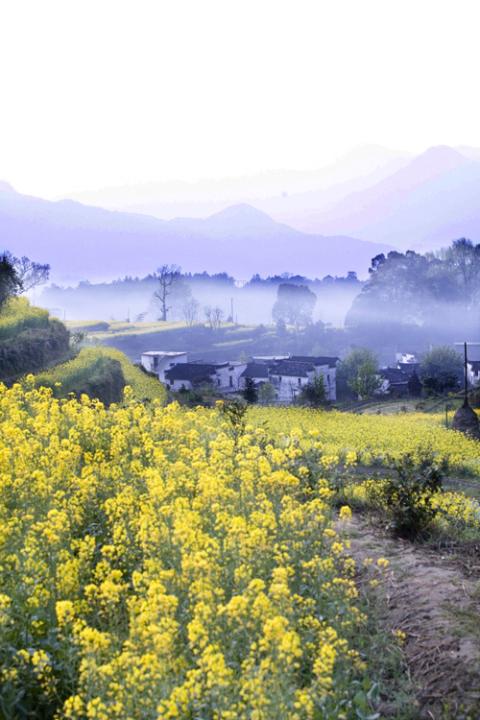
[230,381]
[299,381]
[155,362]
[218,381]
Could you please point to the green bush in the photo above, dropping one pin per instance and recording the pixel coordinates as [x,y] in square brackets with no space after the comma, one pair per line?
[18,315]
[33,349]
[407,495]
[101,378]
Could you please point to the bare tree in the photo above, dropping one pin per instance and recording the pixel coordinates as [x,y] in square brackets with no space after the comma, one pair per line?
[167,275]
[190,311]
[30,273]
[214,316]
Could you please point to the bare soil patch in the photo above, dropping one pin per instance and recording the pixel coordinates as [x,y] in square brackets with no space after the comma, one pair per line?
[437,605]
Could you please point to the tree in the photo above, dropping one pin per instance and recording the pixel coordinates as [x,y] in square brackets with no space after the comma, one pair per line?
[214,316]
[266,393]
[190,311]
[167,276]
[19,275]
[250,393]
[9,281]
[414,385]
[366,381]
[463,260]
[30,273]
[439,290]
[314,393]
[358,372]
[294,304]
[441,369]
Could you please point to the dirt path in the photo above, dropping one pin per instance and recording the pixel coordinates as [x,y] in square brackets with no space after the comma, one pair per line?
[427,596]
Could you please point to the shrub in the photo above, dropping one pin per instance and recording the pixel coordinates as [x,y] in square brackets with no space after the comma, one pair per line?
[18,315]
[314,392]
[250,392]
[266,393]
[33,349]
[407,495]
[101,377]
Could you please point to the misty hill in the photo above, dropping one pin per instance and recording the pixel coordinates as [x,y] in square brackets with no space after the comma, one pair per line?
[287,195]
[83,242]
[424,205]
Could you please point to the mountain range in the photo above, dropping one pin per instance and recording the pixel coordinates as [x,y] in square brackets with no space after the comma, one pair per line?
[375,194]
[87,243]
[432,200]
[316,223]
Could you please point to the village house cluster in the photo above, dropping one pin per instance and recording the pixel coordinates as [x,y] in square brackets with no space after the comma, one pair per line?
[287,374]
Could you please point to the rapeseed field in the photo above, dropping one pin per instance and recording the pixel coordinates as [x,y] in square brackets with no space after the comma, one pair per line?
[163,562]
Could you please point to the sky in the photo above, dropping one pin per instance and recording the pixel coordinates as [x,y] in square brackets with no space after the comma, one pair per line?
[98,93]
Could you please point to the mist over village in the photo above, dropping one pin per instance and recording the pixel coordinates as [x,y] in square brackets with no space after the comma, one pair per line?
[239,360]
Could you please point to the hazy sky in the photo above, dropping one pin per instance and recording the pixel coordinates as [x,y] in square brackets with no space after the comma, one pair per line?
[110,92]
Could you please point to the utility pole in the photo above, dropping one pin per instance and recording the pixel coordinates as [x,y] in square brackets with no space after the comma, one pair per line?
[465,419]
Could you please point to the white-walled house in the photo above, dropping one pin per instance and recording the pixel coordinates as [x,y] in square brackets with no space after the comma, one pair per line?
[289,378]
[324,366]
[224,377]
[473,370]
[158,361]
[228,376]
[290,374]
[473,362]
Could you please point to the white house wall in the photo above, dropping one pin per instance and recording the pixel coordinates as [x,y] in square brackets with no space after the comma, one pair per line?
[329,380]
[223,375]
[158,364]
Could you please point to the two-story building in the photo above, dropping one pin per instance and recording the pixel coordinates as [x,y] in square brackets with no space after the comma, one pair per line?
[158,361]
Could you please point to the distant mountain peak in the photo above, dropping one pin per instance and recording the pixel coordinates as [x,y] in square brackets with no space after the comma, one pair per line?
[242,211]
[440,156]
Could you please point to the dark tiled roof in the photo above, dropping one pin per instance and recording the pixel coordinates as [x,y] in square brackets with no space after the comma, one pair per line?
[292,368]
[195,372]
[256,370]
[316,359]
[394,375]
